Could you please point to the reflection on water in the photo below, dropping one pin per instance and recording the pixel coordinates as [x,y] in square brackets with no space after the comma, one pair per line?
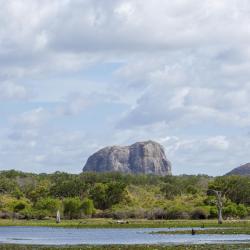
[72,236]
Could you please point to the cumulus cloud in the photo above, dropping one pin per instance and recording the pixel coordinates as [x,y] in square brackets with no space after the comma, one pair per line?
[178,73]
[12,91]
[31,119]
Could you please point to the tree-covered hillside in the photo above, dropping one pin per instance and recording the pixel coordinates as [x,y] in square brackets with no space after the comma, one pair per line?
[120,196]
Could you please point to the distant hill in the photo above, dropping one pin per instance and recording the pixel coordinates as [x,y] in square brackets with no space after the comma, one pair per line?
[141,157]
[241,170]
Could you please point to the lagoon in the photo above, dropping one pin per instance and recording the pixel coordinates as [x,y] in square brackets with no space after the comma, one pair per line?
[105,236]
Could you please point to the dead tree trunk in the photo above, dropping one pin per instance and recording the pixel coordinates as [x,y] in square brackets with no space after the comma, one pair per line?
[219,204]
[58,217]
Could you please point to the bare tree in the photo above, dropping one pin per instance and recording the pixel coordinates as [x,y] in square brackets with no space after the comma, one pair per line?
[219,204]
[58,217]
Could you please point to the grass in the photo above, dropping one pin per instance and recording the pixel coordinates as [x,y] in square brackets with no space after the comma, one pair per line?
[137,223]
[130,247]
[233,230]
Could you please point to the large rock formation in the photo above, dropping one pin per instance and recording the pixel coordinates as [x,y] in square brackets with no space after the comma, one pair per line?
[241,170]
[142,157]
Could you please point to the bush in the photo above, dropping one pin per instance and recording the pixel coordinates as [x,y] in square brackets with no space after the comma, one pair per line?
[177,212]
[139,213]
[20,205]
[192,190]
[88,206]
[199,214]
[72,208]
[39,214]
[120,215]
[230,210]
[108,194]
[213,212]
[157,214]
[49,205]
[242,211]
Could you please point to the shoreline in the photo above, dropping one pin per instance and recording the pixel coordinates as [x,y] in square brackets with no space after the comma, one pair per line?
[130,223]
[232,246]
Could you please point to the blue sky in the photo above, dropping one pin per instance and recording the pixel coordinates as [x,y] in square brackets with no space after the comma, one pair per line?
[76,76]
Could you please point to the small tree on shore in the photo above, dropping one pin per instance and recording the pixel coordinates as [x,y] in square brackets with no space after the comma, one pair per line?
[219,203]
[58,217]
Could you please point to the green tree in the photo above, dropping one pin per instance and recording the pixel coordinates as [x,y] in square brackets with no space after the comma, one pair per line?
[170,190]
[88,206]
[98,195]
[107,195]
[49,205]
[72,207]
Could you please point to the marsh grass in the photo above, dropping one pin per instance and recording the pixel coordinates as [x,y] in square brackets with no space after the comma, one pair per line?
[233,230]
[137,223]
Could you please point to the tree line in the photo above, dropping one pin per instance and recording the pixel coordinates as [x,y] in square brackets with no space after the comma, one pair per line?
[117,195]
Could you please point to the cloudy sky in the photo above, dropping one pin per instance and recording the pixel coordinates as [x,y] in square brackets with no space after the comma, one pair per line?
[82,74]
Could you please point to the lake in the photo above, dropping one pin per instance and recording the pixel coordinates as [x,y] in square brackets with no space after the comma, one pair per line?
[74,236]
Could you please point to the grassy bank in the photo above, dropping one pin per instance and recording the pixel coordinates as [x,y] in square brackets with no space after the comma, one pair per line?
[109,223]
[234,230]
[126,247]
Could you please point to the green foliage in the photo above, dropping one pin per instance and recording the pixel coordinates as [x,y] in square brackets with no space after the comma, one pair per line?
[177,212]
[235,188]
[88,206]
[213,212]
[68,186]
[106,195]
[72,207]
[170,191]
[180,185]
[98,194]
[49,205]
[199,214]
[6,185]
[20,205]
[235,211]
[17,193]
[41,190]
[120,195]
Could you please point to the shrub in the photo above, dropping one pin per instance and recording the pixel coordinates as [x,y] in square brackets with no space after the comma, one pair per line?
[19,205]
[88,206]
[177,212]
[72,208]
[49,205]
[108,194]
[157,214]
[213,212]
[242,211]
[39,214]
[192,190]
[120,215]
[199,214]
[230,210]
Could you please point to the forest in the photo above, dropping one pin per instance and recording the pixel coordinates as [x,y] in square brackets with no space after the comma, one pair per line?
[120,196]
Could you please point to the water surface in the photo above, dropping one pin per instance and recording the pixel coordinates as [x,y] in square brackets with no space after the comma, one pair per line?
[102,236]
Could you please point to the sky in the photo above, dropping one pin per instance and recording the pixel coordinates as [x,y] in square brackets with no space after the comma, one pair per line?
[76,76]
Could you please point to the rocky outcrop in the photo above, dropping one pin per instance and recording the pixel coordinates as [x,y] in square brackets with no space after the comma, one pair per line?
[142,157]
[241,170]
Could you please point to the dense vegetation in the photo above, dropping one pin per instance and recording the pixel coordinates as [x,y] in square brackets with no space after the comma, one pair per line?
[120,196]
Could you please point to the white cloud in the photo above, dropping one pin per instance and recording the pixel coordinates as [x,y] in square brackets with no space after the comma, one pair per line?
[181,75]
[31,119]
[12,91]
[219,142]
